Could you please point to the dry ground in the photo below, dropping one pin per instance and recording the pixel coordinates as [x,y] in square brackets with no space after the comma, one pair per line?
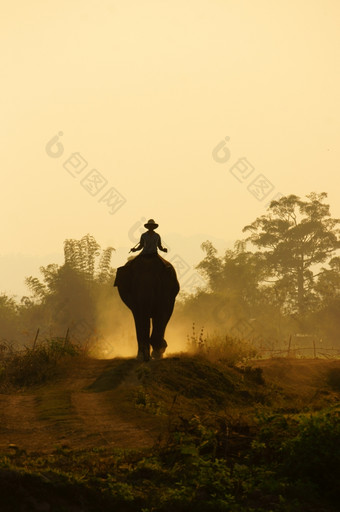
[92,403]
[66,413]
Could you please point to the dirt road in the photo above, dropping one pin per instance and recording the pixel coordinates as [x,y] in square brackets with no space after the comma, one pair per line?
[67,413]
[94,403]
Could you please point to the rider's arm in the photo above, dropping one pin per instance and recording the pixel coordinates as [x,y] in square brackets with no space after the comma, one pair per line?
[140,245]
[159,245]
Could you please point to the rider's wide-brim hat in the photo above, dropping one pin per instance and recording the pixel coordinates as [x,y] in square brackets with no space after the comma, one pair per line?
[151,224]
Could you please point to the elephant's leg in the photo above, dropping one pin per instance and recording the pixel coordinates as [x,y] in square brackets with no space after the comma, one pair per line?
[157,341]
[142,324]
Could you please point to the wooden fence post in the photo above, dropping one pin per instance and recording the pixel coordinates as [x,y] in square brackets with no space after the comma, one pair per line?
[36,337]
[66,337]
[289,343]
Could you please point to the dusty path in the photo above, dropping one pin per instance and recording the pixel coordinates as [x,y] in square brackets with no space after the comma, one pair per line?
[66,413]
[93,403]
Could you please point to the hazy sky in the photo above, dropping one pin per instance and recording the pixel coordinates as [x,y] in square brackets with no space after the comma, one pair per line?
[143,92]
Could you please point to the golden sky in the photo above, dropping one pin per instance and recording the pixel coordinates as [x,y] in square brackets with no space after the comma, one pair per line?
[143,92]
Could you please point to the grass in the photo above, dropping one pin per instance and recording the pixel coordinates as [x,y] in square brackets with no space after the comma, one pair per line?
[32,366]
[227,349]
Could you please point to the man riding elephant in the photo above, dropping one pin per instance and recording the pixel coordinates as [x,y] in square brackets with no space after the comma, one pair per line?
[148,285]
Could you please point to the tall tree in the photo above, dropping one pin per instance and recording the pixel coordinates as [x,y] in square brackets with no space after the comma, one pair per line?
[234,291]
[8,318]
[68,294]
[328,283]
[295,236]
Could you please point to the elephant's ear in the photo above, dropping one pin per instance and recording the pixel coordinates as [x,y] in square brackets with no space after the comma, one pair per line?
[121,277]
[123,283]
[173,281]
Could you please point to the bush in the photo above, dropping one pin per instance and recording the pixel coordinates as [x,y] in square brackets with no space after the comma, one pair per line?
[314,453]
[34,365]
[303,451]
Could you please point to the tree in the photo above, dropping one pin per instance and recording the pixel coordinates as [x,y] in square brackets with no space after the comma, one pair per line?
[68,293]
[234,293]
[294,237]
[235,275]
[8,318]
[328,283]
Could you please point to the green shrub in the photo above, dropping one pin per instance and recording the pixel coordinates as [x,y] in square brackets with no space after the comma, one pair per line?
[314,453]
[303,451]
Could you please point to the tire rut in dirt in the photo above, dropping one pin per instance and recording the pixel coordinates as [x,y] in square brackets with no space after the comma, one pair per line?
[17,417]
[104,424]
[114,376]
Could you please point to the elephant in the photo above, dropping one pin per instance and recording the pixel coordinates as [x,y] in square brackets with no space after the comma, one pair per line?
[148,286]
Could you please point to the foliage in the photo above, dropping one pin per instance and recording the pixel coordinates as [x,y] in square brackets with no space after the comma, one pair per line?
[8,317]
[69,295]
[265,296]
[34,365]
[227,349]
[290,465]
[234,279]
[295,236]
[303,450]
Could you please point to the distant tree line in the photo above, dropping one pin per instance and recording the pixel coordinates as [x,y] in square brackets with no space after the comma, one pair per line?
[69,297]
[283,278]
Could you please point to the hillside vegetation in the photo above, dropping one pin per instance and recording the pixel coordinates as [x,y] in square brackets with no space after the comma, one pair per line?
[173,434]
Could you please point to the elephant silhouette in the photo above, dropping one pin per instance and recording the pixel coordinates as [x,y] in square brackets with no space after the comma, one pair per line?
[148,286]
